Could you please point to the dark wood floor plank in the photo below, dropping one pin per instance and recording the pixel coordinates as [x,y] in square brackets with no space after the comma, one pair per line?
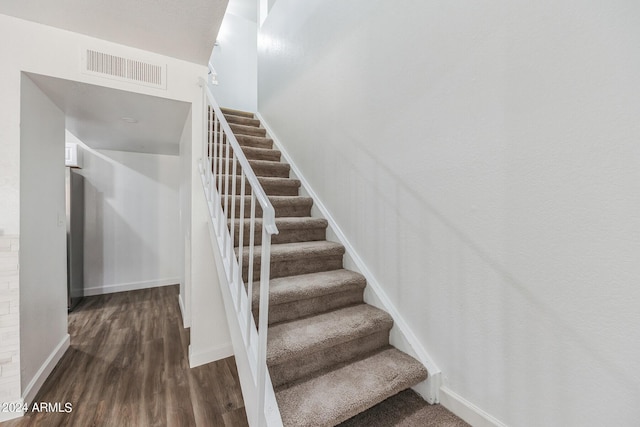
[128,365]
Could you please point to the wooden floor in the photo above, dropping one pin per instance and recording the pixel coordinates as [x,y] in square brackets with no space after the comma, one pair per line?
[128,366]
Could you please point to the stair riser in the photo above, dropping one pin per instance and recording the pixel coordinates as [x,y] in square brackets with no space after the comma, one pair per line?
[295,369]
[276,170]
[245,121]
[248,130]
[284,236]
[232,112]
[252,153]
[247,141]
[270,170]
[349,389]
[294,266]
[289,210]
[252,141]
[272,189]
[307,307]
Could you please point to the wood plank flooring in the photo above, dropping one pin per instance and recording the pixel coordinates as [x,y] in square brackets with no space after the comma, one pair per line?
[128,366]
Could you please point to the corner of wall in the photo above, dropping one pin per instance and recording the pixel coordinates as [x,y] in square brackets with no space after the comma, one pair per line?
[31,390]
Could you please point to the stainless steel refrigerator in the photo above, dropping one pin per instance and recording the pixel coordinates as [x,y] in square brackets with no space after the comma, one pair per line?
[75,237]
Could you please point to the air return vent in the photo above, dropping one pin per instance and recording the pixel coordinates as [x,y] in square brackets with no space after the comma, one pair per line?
[124,69]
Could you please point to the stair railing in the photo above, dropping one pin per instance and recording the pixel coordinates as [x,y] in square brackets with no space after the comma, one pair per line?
[223,166]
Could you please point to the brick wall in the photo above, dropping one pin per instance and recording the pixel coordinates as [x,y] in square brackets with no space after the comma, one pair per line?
[9,321]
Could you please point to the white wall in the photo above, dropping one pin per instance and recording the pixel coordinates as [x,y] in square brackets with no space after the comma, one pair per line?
[52,52]
[483,160]
[185,220]
[132,228]
[235,59]
[209,337]
[43,254]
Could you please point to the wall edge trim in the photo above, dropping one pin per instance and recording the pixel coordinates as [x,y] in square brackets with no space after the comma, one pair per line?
[467,410]
[131,286]
[45,370]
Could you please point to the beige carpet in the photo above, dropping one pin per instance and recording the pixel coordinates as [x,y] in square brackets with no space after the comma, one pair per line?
[405,409]
[328,352]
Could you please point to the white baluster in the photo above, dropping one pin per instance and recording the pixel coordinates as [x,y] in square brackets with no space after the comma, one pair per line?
[233,219]
[263,318]
[241,239]
[252,231]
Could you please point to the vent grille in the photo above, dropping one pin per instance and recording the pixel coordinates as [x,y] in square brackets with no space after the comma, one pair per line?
[125,69]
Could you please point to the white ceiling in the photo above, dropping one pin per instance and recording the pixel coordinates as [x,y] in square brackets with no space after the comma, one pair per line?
[184,29]
[94,115]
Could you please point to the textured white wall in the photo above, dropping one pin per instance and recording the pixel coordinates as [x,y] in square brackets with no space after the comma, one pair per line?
[235,62]
[43,236]
[132,227]
[483,159]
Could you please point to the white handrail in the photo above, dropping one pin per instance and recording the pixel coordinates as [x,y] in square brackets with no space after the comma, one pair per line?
[221,156]
[268,213]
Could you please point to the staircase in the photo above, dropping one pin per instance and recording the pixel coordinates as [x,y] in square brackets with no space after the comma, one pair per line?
[328,352]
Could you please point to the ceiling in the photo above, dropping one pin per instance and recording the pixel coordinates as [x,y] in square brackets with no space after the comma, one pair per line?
[183,29]
[94,114]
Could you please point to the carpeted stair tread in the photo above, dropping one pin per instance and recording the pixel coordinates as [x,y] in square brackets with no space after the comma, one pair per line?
[287,223]
[254,141]
[285,251]
[272,185]
[269,168]
[339,394]
[298,338]
[284,206]
[297,296]
[255,153]
[290,230]
[240,120]
[278,186]
[293,288]
[293,259]
[247,130]
[295,223]
[324,248]
[234,112]
[405,409]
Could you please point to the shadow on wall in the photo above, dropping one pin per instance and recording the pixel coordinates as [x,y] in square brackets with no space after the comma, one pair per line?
[131,227]
[456,276]
[93,236]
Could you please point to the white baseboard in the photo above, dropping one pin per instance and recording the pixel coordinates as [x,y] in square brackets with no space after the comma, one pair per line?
[45,370]
[133,286]
[401,335]
[467,410]
[202,357]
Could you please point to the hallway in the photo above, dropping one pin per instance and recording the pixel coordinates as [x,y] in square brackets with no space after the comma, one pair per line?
[128,366]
